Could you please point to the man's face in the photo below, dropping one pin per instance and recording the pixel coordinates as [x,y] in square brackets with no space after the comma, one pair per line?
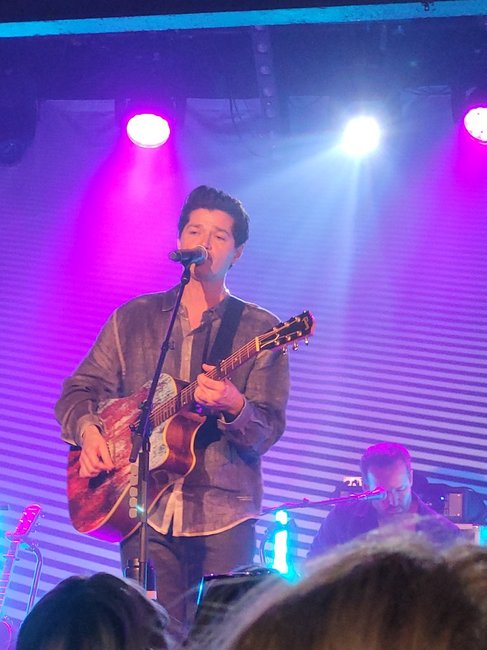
[397,481]
[212,229]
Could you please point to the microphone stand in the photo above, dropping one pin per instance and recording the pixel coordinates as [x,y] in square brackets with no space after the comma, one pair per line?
[370,495]
[377,494]
[138,568]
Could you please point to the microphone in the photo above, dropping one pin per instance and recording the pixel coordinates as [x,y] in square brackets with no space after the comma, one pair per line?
[378,494]
[189,256]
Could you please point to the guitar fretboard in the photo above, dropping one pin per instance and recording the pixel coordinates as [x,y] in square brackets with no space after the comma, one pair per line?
[186,396]
[280,335]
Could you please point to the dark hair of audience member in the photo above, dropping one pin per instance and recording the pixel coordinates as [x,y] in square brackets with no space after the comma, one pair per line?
[381,594]
[101,612]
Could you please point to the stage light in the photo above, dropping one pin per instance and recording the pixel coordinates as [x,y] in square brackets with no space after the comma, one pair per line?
[266,78]
[281,541]
[148,130]
[469,107]
[475,122]
[361,136]
[149,120]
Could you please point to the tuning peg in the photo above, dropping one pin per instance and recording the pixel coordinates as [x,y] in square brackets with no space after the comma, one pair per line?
[306,340]
[295,345]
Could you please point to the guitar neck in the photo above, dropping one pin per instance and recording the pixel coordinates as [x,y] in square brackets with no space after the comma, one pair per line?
[186,396]
[7,571]
[298,327]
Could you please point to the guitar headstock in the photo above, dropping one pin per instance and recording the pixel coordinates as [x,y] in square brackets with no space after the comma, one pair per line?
[291,331]
[26,522]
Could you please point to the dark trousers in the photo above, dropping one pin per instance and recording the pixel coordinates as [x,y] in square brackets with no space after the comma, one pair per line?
[180,563]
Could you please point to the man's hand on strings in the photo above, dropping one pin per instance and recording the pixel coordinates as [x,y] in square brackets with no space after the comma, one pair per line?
[218,394]
[95,457]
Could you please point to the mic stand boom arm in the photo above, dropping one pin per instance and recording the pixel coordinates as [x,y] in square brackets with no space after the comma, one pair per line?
[371,495]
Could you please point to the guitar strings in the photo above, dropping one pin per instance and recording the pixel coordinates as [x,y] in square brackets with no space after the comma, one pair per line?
[173,405]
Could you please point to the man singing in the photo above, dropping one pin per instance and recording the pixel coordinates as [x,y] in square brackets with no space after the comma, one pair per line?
[205,522]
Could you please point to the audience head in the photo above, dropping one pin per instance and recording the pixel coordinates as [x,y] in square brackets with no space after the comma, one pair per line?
[388,465]
[101,612]
[375,595]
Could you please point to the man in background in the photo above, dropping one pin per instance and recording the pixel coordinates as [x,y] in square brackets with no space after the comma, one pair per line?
[386,465]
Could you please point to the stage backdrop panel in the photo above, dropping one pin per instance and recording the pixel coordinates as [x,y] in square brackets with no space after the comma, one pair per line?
[388,254]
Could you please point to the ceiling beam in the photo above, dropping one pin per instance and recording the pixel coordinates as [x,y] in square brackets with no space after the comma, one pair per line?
[175,15]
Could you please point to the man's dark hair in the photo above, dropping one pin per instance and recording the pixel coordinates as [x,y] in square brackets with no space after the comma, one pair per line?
[384,454]
[213,199]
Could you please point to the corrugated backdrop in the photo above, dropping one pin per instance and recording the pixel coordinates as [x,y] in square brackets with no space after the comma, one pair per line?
[389,255]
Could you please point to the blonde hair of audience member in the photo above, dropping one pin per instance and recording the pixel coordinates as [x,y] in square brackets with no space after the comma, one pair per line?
[376,594]
[101,612]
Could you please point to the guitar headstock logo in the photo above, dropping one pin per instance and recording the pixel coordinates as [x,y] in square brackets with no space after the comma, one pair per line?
[290,331]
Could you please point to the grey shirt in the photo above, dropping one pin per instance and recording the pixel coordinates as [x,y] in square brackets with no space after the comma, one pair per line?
[225,486]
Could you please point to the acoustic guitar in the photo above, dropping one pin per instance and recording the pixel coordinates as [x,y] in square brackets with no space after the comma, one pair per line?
[105,506]
[26,522]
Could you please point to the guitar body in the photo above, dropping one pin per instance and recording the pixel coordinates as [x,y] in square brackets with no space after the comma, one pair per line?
[104,506]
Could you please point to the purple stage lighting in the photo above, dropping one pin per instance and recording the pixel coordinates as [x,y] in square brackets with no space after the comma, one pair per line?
[475,122]
[148,130]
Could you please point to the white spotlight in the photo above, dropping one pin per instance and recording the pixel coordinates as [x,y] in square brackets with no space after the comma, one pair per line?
[361,136]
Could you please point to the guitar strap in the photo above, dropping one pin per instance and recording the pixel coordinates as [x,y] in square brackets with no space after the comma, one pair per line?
[222,346]
[221,349]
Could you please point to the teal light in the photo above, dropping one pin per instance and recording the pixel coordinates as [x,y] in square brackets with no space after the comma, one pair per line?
[200,592]
[282,517]
[284,535]
[281,539]
[328,14]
